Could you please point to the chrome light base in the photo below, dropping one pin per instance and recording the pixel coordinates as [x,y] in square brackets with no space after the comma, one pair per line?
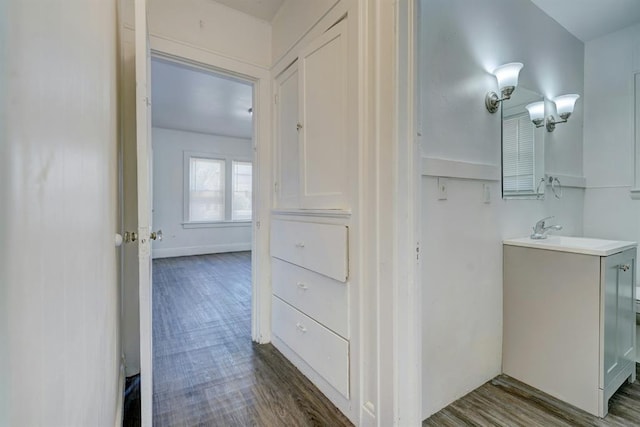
[551,121]
[492,101]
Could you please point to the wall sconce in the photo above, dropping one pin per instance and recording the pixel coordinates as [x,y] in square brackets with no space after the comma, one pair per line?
[564,106]
[507,76]
[536,113]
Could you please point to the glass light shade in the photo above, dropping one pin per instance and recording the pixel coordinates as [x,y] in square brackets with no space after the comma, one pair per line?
[536,110]
[507,74]
[565,103]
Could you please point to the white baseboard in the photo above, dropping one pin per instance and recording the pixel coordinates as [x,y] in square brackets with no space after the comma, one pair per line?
[120,400]
[200,250]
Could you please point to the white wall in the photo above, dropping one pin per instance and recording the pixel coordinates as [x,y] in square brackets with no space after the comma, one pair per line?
[169,147]
[59,205]
[610,64]
[211,26]
[293,21]
[224,33]
[460,42]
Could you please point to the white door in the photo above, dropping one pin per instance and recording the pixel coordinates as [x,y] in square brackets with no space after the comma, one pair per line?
[143,145]
[323,96]
[287,146]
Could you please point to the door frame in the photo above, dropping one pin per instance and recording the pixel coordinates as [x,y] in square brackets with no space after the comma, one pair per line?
[262,176]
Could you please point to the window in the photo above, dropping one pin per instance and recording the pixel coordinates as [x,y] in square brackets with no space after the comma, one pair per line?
[241,197]
[217,190]
[206,189]
[518,155]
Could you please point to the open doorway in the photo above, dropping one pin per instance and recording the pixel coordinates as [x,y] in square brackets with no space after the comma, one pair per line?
[202,133]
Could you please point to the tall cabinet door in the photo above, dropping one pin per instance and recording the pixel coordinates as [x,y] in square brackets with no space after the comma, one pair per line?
[619,313]
[288,152]
[323,103]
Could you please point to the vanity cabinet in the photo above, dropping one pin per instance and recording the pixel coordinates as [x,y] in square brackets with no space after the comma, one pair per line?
[569,319]
[312,132]
[619,328]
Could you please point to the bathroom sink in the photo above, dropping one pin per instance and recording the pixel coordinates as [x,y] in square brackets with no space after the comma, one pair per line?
[578,245]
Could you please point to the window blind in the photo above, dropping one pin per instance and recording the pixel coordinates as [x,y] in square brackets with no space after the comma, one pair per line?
[206,189]
[518,161]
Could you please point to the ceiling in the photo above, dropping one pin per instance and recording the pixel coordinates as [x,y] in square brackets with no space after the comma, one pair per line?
[261,9]
[190,99]
[590,19]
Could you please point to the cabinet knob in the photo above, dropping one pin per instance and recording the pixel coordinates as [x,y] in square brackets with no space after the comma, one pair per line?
[298,126]
[624,267]
[300,245]
[302,286]
[301,327]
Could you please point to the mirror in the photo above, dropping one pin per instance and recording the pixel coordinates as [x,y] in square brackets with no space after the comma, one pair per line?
[522,148]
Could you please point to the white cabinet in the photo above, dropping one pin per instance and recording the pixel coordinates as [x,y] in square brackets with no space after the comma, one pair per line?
[324,351]
[310,304]
[315,246]
[569,323]
[618,278]
[312,134]
[287,151]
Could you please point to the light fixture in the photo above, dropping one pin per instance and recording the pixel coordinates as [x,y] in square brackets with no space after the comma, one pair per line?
[507,76]
[564,107]
[536,113]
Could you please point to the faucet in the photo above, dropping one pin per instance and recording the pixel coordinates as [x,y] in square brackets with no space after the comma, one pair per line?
[540,230]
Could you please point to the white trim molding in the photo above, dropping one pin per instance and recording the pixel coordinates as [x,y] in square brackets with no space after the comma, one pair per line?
[567,181]
[262,164]
[432,166]
[200,250]
[323,213]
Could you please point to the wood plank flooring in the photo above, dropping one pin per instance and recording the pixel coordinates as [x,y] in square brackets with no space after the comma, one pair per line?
[505,401]
[207,371]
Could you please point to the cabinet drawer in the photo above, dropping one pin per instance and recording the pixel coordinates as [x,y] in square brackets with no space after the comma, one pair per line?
[318,247]
[325,352]
[319,297]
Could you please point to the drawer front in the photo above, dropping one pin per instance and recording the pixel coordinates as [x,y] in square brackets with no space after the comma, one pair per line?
[325,352]
[318,247]
[319,297]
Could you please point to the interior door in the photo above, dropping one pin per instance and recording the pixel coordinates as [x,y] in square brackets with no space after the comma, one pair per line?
[288,167]
[323,126]
[143,148]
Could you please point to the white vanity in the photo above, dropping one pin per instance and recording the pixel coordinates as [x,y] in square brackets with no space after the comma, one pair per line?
[569,317]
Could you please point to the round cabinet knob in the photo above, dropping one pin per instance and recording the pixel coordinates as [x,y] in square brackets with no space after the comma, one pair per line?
[624,267]
[156,235]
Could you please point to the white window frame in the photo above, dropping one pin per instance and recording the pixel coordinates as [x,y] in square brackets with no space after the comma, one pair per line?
[228,189]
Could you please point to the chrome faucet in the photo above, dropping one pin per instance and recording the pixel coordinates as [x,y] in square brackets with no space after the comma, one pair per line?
[540,230]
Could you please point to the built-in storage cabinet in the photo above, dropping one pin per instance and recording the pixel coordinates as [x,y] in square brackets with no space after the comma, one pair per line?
[314,238]
[569,322]
[310,309]
[312,139]
[618,278]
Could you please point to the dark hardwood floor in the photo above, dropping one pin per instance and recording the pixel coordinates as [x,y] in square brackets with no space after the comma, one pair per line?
[207,372]
[505,401]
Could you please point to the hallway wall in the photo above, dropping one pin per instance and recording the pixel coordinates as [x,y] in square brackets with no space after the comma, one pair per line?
[461,41]
[60,294]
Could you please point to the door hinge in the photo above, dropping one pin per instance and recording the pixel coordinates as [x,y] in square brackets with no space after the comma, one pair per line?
[275,99]
[275,187]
